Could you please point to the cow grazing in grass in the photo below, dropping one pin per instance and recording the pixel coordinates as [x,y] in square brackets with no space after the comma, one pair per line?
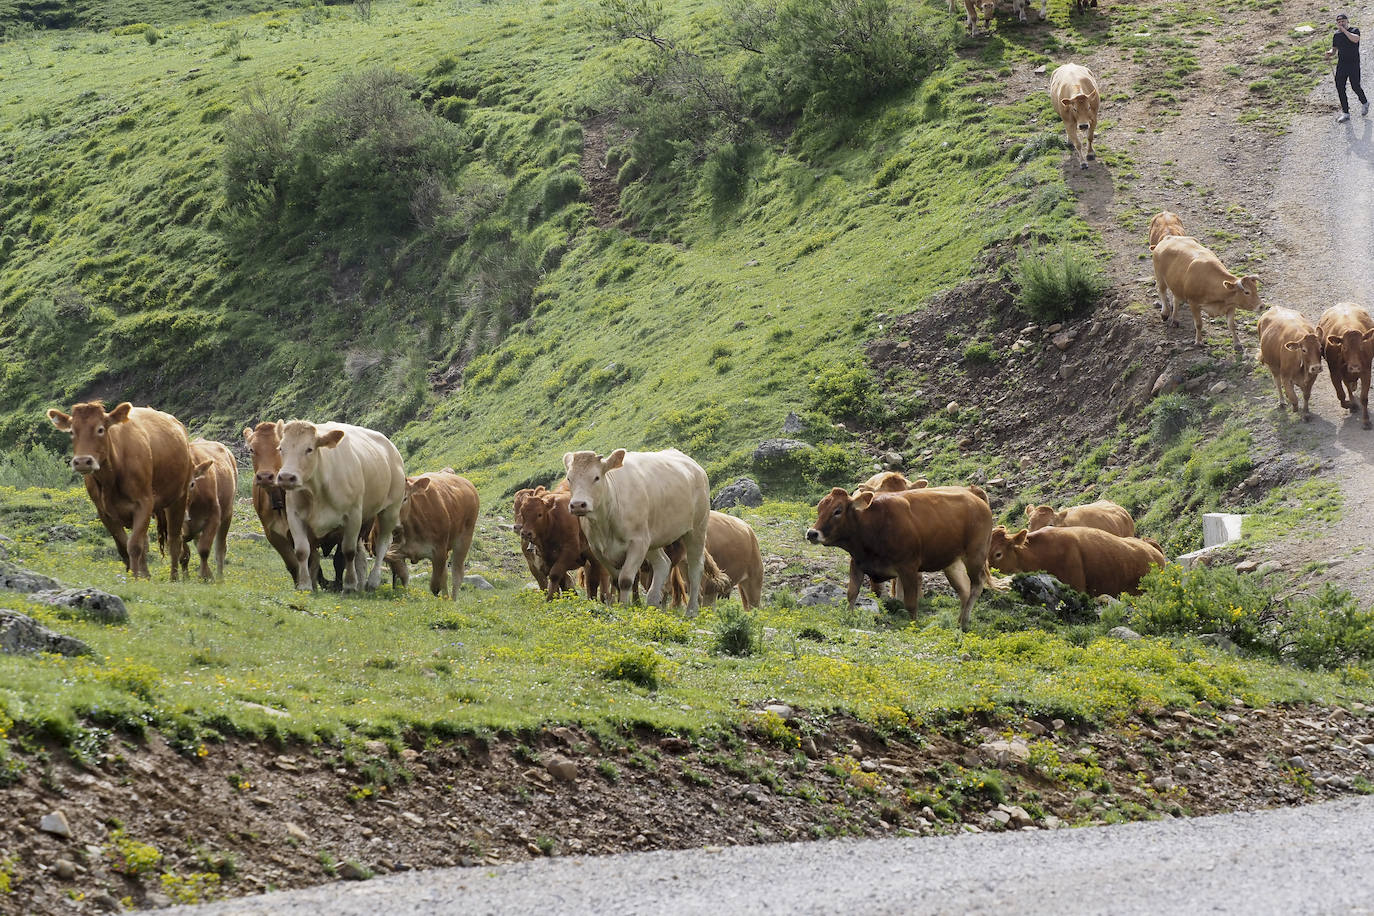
[632,505]
[210,505]
[1291,349]
[1074,92]
[1091,561]
[1104,515]
[1195,277]
[733,547]
[1347,336]
[340,476]
[554,534]
[437,521]
[1164,223]
[136,464]
[901,535]
[269,502]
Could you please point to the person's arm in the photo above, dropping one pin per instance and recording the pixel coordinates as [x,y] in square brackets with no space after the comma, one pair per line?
[1353,37]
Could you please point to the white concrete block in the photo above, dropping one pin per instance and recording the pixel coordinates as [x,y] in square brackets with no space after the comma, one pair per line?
[1220,528]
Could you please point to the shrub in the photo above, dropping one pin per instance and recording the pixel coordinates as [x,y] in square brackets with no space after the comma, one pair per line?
[1204,600]
[1326,631]
[844,392]
[638,666]
[980,353]
[737,633]
[35,467]
[131,857]
[1057,285]
[1170,414]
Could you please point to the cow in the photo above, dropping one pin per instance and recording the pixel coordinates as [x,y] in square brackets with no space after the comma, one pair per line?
[529,548]
[554,534]
[1196,278]
[210,505]
[1104,515]
[890,482]
[1291,349]
[732,546]
[970,14]
[990,9]
[1093,562]
[339,476]
[437,520]
[1347,335]
[136,464]
[269,502]
[1073,90]
[902,535]
[1164,223]
[633,504]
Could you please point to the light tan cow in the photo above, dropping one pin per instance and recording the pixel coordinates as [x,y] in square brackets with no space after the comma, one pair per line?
[734,547]
[437,520]
[1074,92]
[970,13]
[136,464]
[1196,277]
[340,476]
[1019,8]
[1104,515]
[1164,223]
[269,502]
[1291,350]
[890,482]
[1091,561]
[633,504]
[1347,335]
[210,505]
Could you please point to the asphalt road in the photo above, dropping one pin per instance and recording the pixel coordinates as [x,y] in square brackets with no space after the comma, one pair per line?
[1316,859]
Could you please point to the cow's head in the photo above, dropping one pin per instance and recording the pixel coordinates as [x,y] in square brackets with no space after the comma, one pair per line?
[202,477]
[1038,517]
[530,511]
[1351,350]
[262,444]
[587,477]
[836,516]
[300,444]
[89,425]
[1309,351]
[1003,548]
[1079,107]
[1244,293]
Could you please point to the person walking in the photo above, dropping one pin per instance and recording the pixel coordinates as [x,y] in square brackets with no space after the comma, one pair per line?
[1345,44]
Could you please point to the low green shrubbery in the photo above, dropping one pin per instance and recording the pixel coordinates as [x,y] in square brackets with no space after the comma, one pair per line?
[1058,284]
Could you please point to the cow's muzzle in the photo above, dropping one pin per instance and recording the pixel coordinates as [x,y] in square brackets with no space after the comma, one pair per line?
[85,464]
[265,478]
[288,481]
[813,536]
[580,508]
[1082,127]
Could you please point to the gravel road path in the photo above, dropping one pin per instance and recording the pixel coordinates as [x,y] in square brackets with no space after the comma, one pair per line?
[1292,861]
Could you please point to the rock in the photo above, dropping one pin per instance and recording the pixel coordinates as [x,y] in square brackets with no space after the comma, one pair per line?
[1019,816]
[65,869]
[1168,381]
[1054,328]
[1219,641]
[1052,823]
[89,603]
[752,262]
[808,747]
[562,769]
[1026,462]
[743,492]
[1001,817]
[892,459]
[1245,566]
[14,579]
[1066,372]
[22,635]
[1218,388]
[1267,567]
[106,902]
[1035,728]
[1057,725]
[274,713]
[997,482]
[1303,29]
[478,582]
[674,745]
[377,748]
[158,901]
[1062,341]
[1048,592]
[778,451]
[825,593]
[56,824]
[792,424]
[293,830]
[952,407]
[1004,753]
[1125,633]
[352,871]
[1298,763]
[1162,783]
[781,710]
[1039,69]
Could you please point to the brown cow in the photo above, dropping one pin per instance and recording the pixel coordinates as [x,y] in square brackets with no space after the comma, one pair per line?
[136,463]
[1091,561]
[269,502]
[1104,515]
[543,519]
[890,482]
[901,535]
[1197,278]
[732,549]
[1291,350]
[970,13]
[210,505]
[1073,90]
[1164,223]
[534,559]
[1347,335]
[437,520]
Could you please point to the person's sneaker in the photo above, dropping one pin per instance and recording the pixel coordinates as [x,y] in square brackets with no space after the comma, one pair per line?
[1364,110]
[1345,116]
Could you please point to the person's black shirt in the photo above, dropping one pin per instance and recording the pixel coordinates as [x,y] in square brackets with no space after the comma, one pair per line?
[1347,52]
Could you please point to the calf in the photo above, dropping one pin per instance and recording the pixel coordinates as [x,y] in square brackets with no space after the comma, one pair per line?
[1290,348]
[542,518]
[1091,561]
[1073,90]
[1104,515]
[1347,336]
[1018,7]
[902,535]
[210,505]
[1164,224]
[1197,278]
[437,520]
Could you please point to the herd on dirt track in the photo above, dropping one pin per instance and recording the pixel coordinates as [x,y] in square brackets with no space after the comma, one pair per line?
[643,519]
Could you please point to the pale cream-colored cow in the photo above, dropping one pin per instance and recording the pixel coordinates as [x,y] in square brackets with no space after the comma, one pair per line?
[1291,350]
[1194,276]
[1074,92]
[1162,224]
[633,504]
[1019,8]
[340,476]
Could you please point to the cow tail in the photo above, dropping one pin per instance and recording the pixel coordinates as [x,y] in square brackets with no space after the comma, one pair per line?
[713,577]
[161,517]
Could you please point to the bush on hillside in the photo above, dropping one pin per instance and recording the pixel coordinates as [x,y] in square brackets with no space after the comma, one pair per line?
[1170,414]
[1058,284]
[35,467]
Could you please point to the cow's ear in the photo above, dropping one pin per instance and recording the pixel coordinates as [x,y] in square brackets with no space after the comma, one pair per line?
[59,419]
[864,500]
[201,468]
[330,439]
[1293,345]
[119,414]
[281,430]
[248,434]
[449,471]
[614,460]
[1229,284]
[417,484]
[1334,342]
[567,461]
[920,483]
[1030,510]
[1019,539]
[1061,517]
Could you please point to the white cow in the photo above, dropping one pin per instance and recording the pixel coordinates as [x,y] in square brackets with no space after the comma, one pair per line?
[337,476]
[633,504]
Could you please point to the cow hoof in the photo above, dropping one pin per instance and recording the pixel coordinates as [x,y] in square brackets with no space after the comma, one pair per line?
[1307,418]
[1092,157]
[1083,165]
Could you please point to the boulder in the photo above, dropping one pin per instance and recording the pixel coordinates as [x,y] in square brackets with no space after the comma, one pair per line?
[743,492]
[1048,592]
[22,635]
[777,451]
[89,603]
[830,593]
[477,582]
[1004,753]
[14,579]
[1123,633]
[792,424]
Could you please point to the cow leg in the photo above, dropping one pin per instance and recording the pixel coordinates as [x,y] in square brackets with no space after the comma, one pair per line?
[438,574]
[1197,322]
[661,580]
[400,573]
[138,542]
[968,586]
[856,581]
[386,521]
[1092,132]
[304,552]
[558,578]
[458,563]
[1336,372]
[1166,304]
[176,540]
[1364,401]
[222,544]
[121,537]
[1235,336]
[204,544]
[911,592]
[695,544]
[627,578]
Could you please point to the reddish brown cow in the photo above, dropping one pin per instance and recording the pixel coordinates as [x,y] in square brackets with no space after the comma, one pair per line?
[210,505]
[136,463]
[902,535]
[1092,561]
[539,568]
[1104,515]
[436,524]
[543,519]
[1292,352]
[269,502]
[1347,335]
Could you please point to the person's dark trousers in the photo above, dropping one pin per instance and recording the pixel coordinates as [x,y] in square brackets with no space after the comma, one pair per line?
[1354,77]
